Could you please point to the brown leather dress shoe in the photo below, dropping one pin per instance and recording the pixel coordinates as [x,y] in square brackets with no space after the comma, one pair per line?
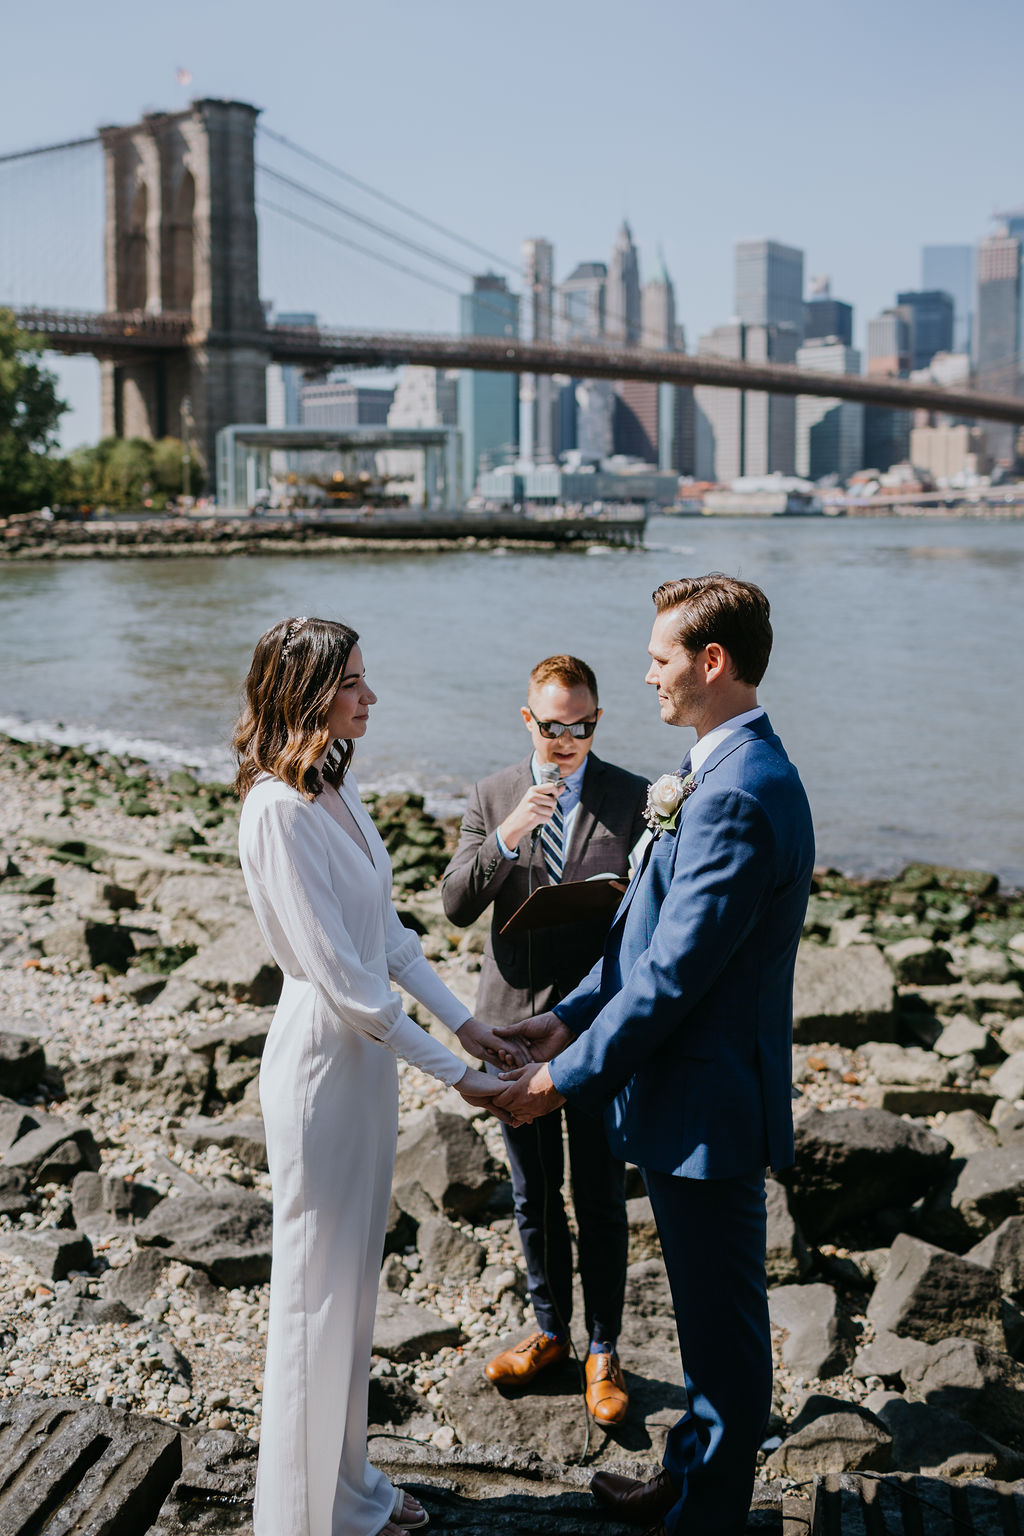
[636,1503]
[607,1397]
[515,1367]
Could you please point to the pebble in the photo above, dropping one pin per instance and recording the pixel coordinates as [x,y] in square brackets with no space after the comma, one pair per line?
[78,1015]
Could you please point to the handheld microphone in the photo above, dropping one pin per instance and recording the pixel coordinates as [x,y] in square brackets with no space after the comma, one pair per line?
[550,773]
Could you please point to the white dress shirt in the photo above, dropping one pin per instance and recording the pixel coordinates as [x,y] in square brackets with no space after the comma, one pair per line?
[702,749]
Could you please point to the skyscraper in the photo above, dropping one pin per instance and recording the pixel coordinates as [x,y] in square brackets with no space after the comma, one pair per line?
[825,316]
[340,402]
[741,432]
[579,316]
[622,320]
[580,303]
[889,344]
[536,391]
[886,432]
[829,433]
[1000,347]
[644,414]
[932,322]
[284,380]
[769,421]
[718,427]
[999,311]
[770,284]
[284,395]
[487,402]
[950,268]
[658,310]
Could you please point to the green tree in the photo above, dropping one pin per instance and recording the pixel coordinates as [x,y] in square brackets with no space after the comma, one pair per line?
[81,476]
[29,412]
[167,467]
[126,472]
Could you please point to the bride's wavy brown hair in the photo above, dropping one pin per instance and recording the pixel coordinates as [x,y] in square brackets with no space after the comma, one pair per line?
[282,730]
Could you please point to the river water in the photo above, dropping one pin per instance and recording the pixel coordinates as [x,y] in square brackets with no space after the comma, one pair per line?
[895,682]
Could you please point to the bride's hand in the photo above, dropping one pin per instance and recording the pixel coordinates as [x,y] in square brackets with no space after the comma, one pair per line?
[484,1043]
[478,1089]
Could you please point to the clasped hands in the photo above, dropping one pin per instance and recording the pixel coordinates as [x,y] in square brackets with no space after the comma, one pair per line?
[523,1091]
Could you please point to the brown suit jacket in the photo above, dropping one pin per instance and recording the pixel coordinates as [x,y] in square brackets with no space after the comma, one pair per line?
[607,825]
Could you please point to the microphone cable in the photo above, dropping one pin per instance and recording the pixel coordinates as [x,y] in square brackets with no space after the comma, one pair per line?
[548,778]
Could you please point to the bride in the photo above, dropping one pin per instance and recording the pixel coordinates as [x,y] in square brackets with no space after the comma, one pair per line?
[319,880]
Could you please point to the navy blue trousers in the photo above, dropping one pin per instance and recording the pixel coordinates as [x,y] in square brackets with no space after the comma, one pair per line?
[537,1163]
[712,1235]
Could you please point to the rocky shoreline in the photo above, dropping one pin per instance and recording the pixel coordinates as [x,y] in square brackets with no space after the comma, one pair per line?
[134,1215]
[32,537]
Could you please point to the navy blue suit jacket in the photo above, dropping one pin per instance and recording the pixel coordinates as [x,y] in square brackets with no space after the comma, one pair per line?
[684,1027]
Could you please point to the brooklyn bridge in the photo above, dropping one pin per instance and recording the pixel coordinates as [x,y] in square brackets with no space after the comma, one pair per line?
[183,327]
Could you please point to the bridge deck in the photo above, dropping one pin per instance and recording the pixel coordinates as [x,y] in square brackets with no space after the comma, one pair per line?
[119,335]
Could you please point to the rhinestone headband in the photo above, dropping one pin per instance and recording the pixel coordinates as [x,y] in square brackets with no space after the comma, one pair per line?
[293,630]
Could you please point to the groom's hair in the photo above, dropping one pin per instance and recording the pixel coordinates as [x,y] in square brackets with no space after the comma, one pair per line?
[722,609]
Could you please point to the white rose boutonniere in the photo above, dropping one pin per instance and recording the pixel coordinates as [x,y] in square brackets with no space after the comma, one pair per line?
[665,799]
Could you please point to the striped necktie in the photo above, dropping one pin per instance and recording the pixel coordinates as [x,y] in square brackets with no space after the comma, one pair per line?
[552,835]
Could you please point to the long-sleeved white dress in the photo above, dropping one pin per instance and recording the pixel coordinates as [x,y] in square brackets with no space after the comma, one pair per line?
[329,1093]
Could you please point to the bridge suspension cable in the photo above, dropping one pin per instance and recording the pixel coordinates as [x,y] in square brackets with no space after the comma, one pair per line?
[359,218]
[388,233]
[384,197]
[47,149]
[354,245]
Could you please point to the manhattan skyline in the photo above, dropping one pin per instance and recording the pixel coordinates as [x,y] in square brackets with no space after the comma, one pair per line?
[857,136]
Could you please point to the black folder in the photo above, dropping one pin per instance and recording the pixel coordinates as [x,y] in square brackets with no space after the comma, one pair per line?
[549,906]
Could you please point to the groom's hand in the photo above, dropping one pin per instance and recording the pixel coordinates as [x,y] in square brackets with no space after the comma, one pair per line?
[486,1045]
[544,1036]
[530,1093]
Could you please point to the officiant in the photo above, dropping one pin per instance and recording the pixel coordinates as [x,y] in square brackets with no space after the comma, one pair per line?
[558,817]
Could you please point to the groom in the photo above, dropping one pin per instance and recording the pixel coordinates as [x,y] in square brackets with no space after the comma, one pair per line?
[680,1037]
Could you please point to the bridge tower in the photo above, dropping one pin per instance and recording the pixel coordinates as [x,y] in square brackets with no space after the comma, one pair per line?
[181,239]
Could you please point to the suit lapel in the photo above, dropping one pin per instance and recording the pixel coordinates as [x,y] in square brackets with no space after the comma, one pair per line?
[757,730]
[591,799]
[634,885]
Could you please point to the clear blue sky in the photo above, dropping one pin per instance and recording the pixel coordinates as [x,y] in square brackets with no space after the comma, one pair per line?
[856,131]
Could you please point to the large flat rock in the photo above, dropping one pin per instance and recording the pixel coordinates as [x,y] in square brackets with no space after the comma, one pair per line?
[852,1163]
[447,1159]
[213,1496]
[928,1294]
[845,996]
[236,964]
[226,1233]
[244,1138]
[174,1082]
[403,1331]
[69,1468]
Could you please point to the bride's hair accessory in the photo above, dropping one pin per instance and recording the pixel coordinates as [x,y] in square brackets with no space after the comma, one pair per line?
[293,629]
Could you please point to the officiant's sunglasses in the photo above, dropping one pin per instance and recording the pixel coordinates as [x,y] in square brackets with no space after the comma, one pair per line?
[552,729]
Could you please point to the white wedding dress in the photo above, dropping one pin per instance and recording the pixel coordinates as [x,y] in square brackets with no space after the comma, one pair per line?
[329,1092]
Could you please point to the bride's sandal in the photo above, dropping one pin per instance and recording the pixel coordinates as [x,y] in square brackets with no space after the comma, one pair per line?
[409,1513]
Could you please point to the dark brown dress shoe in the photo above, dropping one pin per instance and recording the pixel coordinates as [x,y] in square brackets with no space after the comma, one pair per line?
[607,1397]
[637,1503]
[515,1367]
